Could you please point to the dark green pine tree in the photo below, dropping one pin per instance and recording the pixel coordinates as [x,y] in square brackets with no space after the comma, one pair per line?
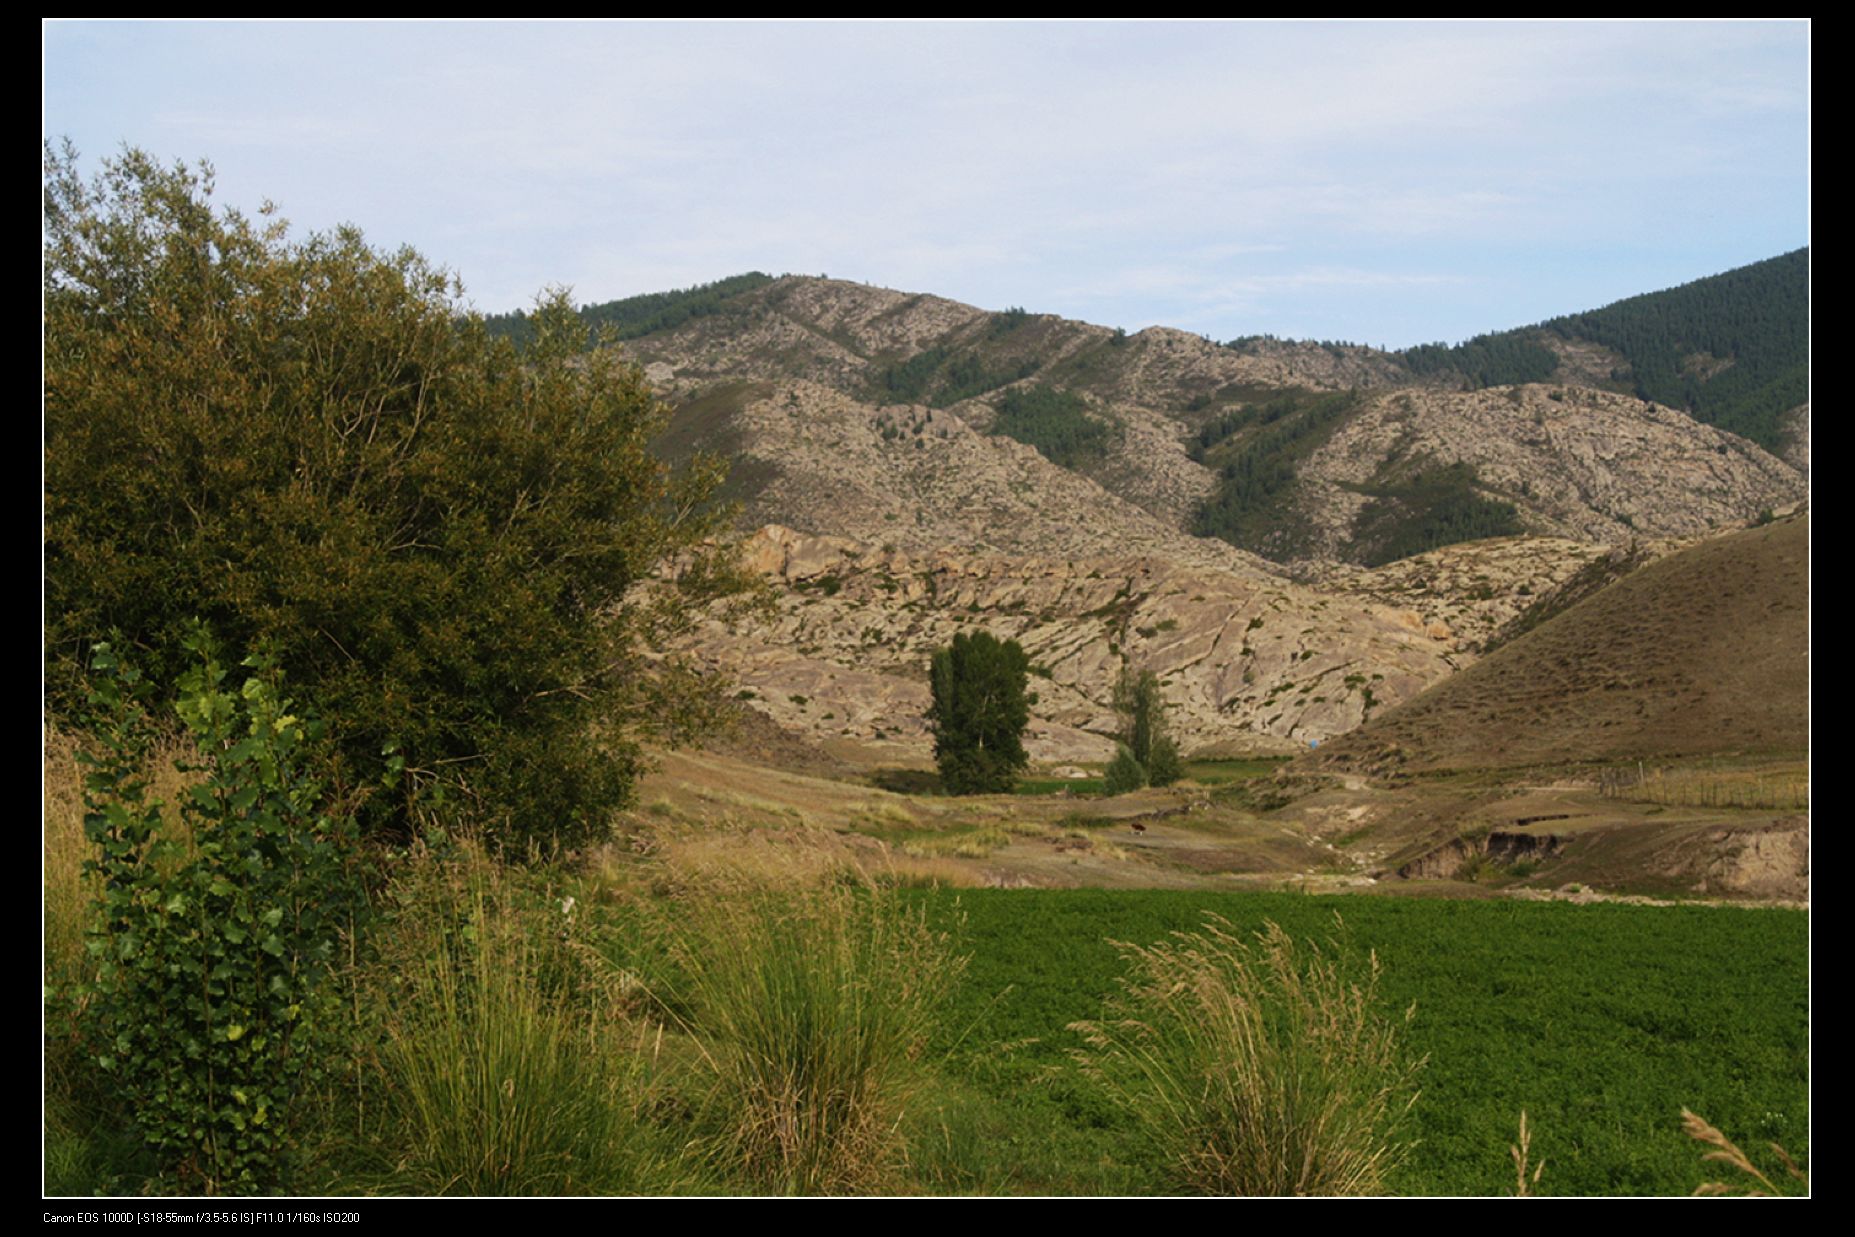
[979,713]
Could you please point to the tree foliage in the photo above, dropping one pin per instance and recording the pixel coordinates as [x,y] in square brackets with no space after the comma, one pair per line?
[979,713]
[1124,773]
[1145,736]
[940,376]
[1257,451]
[450,548]
[1432,507]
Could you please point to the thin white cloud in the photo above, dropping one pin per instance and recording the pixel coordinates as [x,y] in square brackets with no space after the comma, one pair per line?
[1127,170]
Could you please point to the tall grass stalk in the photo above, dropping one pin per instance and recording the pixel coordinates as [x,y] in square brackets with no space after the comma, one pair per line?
[68,889]
[1754,1183]
[508,1075]
[1259,1066]
[811,1008]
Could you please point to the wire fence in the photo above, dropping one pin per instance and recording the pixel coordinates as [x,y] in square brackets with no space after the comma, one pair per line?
[1783,787]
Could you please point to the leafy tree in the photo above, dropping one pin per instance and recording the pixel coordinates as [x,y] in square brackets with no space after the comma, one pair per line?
[1124,773]
[458,554]
[1144,734]
[979,713]
[1165,766]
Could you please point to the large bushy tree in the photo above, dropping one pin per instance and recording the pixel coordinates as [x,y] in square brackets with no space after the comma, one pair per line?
[457,553]
[979,713]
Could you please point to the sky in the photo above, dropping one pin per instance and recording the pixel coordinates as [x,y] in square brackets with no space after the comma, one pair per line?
[1384,183]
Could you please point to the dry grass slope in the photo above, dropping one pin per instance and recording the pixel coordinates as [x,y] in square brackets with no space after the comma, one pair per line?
[1702,652]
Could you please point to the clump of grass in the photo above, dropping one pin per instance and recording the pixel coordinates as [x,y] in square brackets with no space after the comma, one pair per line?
[1259,1066]
[509,1067]
[971,844]
[810,1008]
[1725,1151]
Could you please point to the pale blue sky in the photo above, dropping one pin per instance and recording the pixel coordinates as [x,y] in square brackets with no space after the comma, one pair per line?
[1385,183]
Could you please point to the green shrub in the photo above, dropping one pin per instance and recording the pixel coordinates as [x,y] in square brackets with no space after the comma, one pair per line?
[1258,1066]
[212,1011]
[1124,772]
[1165,767]
[309,444]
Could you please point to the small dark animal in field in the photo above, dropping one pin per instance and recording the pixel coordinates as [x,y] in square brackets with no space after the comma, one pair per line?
[1139,828]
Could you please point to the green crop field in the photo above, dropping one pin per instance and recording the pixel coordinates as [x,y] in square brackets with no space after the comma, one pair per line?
[1601,1021]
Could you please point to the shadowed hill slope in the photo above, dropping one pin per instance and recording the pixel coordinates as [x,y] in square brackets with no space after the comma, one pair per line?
[1702,652]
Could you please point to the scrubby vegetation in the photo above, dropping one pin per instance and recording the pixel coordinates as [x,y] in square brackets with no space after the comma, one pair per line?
[1256,450]
[648,1023]
[636,316]
[941,376]
[1057,423]
[1732,349]
[354,636]
[809,1010]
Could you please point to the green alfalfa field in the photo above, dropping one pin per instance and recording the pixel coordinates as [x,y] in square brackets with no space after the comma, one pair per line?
[1602,1022]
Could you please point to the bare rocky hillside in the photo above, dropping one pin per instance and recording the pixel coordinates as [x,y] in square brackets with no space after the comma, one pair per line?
[1249,661]
[1573,461]
[860,424]
[1576,462]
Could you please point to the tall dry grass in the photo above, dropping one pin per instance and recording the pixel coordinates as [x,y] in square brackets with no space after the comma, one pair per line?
[512,1063]
[68,890]
[1259,1066]
[811,1006]
[84,1139]
[1754,1183]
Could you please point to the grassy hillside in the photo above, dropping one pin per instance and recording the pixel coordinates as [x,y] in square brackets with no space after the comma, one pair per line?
[1704,651]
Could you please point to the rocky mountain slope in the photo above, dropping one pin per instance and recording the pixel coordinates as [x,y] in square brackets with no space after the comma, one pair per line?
[1248,661]
[917,466]
[1575,462]
[812,359]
